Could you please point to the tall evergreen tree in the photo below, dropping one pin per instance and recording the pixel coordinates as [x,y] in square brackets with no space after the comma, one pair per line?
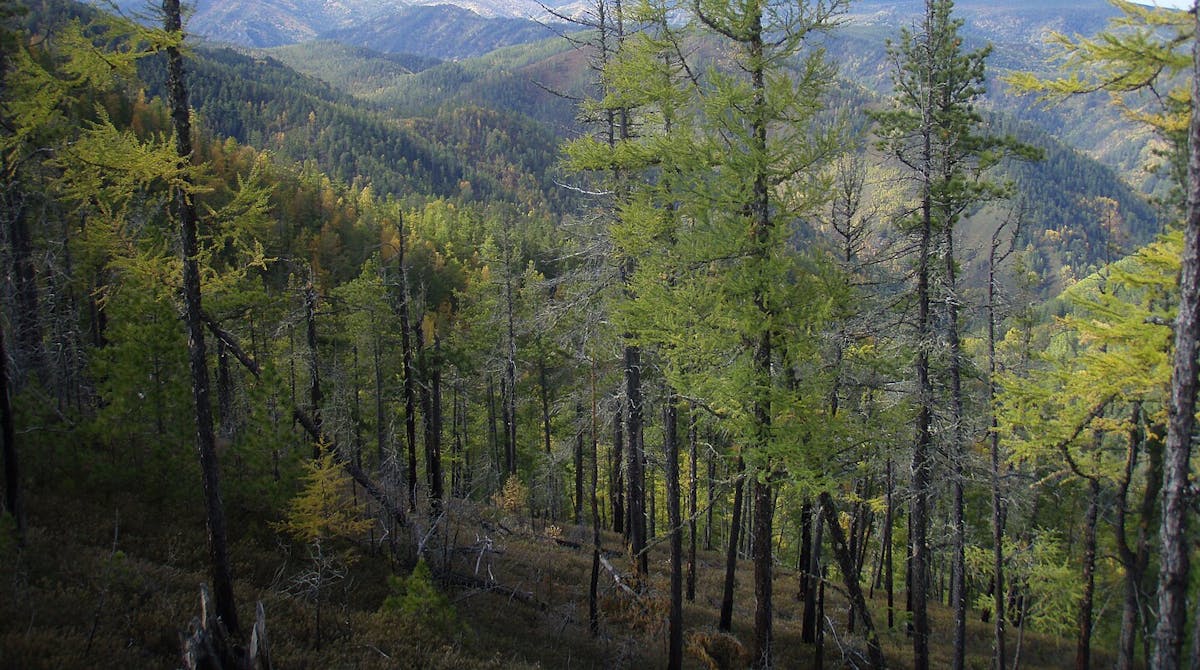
[934,130]
[1148,49]
[185,211]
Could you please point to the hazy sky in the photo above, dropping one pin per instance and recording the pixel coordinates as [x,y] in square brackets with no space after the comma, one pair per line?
[1179,4]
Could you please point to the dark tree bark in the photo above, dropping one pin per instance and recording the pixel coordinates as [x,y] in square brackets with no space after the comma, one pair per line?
[493,433]
[764,512]
[406,353]
[508,387]
[433,449]
[921,462]
[314,370]
[691,566]
[636,501]
[381,427]
[579,478]
[810,625]
[544,389]
[430,393]
[14,499]
[671,453]
[845,558]
[28,316]
[958,570]
[616,482]
[1173,552]
[1083,644]
[708,510]
[999,650]
[185,211]
[888,564]
[1136,558]
[804,556]
[593,599]
[735,522]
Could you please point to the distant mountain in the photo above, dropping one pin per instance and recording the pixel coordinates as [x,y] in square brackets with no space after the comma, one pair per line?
[439,28]
[440,31]
[461,123]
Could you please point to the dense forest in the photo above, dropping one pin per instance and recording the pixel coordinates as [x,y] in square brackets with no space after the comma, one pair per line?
[719,334]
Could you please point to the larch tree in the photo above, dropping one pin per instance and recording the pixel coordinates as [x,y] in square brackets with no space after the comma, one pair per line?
[934,131]
[728,171]
[1148,61]
[185,211]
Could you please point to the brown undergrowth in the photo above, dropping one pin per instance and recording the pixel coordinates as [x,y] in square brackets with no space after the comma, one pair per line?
[114,582]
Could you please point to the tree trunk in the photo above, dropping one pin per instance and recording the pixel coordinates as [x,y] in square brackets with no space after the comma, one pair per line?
[457,422]
[762,533]
[846,562]
[543,386]
[888,564]
[735,522]
[406,352]
[579,466]
[28,317]
[510,362]
[958,570]
[708,510]
[1083,645]
[999,652]
[921,463]
[185,210]
[14,499]
[810,627]
[616,482]
[1135,559]
[636,500]
[805,550]
[593,600]
[314,371]
[671,453]
[1173,552]
[691,567]
[381,427]
[493,435]
[431,413]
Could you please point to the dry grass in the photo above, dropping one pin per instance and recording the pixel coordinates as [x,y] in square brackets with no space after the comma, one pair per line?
[70,601]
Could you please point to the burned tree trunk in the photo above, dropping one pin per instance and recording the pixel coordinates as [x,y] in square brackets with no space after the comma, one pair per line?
[185,210]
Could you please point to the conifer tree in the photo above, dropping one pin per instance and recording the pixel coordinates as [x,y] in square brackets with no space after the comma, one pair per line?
[934,131]
[1146,50]
[185,211]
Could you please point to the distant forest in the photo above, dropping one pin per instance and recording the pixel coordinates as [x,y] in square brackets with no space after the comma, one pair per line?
[691,337]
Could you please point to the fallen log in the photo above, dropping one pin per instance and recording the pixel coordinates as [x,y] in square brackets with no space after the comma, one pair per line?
[472,582]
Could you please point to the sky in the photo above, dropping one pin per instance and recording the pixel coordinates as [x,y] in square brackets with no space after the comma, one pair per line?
[1177,4]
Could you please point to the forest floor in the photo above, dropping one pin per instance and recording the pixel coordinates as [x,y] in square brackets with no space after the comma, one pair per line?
[113,581]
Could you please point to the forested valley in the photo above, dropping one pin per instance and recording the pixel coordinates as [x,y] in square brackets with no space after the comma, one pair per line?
[713,334]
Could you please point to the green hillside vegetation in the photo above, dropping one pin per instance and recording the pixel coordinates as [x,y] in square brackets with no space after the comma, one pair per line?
[1061,194]
[355,70]
[681,348]
[265,104]
[441,31]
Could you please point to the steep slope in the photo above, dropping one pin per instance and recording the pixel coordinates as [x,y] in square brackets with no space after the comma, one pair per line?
[1017,32]
[261,102]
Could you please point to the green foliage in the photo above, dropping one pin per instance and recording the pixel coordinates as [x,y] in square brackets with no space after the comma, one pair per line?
[417,598]
[1111,349]
[1043,570]
[324,509]
[1140,61]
